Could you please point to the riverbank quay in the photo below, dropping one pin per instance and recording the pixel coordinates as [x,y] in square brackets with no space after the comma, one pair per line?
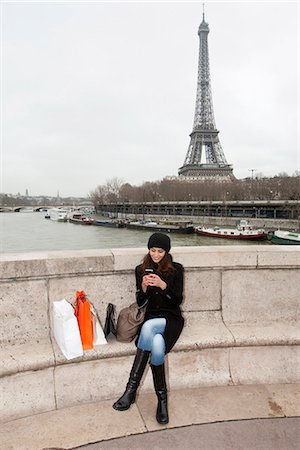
[241,308]
[213,221]
[267,224]
[237,209]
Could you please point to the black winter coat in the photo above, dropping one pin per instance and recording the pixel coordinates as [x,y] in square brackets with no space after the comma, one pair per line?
[164,303]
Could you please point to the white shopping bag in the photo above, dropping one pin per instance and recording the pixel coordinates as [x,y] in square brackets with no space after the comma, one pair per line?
[98,335]
[66,330]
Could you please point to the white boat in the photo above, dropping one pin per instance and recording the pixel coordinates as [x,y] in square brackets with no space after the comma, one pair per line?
[284,237]
[242,231]
[26,210]
[77,217]
[58,214]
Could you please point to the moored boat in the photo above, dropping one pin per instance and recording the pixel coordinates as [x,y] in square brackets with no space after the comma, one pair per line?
[58,214]
[80,218]
[180,227]
[242,231]
[113,223]
[26,209]
[284,237]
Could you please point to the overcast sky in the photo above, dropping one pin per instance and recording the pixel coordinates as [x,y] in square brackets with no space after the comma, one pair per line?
[92,91]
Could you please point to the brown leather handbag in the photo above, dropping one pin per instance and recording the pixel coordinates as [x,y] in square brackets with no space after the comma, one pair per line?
[129,321]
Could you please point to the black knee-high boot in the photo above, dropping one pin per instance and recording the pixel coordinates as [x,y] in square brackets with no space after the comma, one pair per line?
[160,385]
[135,377]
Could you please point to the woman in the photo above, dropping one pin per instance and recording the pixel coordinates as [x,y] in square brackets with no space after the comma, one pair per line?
[159,281]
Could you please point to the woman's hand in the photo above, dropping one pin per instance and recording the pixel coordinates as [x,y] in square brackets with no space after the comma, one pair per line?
[153,280]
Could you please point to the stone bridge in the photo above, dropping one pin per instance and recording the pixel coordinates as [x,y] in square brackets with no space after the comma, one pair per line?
[40,208]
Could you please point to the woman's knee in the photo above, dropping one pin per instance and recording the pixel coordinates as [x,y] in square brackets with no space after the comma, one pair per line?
[145,338]
[150,329]
[146,328]
[158,350]
[146,333]
[159,344]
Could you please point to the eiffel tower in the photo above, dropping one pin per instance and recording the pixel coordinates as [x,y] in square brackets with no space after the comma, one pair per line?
[205,158]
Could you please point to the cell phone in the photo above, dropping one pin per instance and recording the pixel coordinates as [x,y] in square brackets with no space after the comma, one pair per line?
[148,271]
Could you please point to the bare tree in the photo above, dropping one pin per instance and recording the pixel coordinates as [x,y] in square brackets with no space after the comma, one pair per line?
[258,188]
[98,195]
[113,187]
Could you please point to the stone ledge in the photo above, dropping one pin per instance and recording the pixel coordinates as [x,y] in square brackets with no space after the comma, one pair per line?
[223,403]
[216,256]
[275,333]
[75,384]
[71,427]
[25,357]
[88,261]
[67,428]
[203,330]
[282,255]
[53,263]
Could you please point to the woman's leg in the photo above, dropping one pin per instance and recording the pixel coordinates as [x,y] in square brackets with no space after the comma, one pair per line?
[160,386]
[158,350]
[151,339]
[135,377]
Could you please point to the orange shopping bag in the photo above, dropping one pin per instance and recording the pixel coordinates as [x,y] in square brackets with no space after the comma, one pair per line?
[83,314]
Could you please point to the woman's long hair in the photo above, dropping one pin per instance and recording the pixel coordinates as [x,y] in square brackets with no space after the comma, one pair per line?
[164,267]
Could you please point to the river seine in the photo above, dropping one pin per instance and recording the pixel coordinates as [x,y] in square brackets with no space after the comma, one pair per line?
[31,232]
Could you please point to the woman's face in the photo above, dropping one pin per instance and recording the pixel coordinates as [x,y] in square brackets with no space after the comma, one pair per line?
[157,254]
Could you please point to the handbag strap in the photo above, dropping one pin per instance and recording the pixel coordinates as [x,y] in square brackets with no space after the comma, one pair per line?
[80,295]
[143,305]
[95,312]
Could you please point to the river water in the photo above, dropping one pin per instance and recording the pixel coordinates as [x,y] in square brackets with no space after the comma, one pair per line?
[31,232]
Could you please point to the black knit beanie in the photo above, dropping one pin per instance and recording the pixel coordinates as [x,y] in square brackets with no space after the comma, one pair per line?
[159,240]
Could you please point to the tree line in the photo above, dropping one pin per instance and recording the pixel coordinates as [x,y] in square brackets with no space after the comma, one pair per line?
[281,187]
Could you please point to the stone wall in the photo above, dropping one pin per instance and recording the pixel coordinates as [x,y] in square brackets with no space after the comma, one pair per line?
[240,280]
[241,307]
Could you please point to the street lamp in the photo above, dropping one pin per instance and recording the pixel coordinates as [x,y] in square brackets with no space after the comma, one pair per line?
[252,172]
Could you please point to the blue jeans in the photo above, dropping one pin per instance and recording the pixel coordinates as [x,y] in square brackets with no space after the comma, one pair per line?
[151,339]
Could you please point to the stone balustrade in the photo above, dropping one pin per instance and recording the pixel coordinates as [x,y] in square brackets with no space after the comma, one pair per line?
[241,305]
